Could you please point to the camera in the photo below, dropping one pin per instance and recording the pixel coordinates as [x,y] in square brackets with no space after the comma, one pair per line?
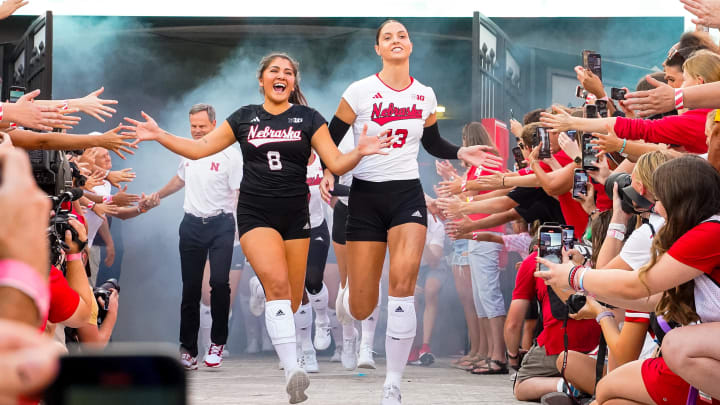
[104,291]
[602,108]
[575,303]
[617,94]
[60,224]
[51,170]
[631,199]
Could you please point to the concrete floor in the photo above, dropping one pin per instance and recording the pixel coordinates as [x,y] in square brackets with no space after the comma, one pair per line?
[257,380]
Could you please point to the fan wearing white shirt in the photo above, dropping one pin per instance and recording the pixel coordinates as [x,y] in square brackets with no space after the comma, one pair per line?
[207,231]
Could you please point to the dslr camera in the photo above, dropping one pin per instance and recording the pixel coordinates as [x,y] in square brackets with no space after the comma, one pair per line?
[632,201]
[104,291]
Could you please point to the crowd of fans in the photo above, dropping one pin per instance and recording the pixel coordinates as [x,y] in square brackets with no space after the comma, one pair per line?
[626,315]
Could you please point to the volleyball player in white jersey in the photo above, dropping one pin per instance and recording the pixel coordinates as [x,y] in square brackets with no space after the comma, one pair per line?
[387,206]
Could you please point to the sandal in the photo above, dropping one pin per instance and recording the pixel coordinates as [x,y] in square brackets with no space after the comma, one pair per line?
[502,369]
[482,363]
[467,364]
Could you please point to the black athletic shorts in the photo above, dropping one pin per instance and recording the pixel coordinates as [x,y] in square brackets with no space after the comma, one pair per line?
[375,207]
[340,213]
[289,216]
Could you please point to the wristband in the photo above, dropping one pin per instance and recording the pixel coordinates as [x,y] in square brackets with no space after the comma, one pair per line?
[107,199]
[611,233]
[91,205]
[73,257]
[140,210]
[1,112]
[623,147]
[679,104]
[107,173]
[475,235]
[20,276]
[571,277]
[605,314]
[581,279]
[468,199]
[617,227]
[65,105]
[463,186]
[503,180]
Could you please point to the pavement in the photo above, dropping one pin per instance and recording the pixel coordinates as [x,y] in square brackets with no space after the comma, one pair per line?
[255,379]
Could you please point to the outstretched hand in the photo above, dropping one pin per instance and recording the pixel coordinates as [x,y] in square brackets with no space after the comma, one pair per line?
[143,131]
[371,145]
[481,156]
[659,100]
[94,106]
[113,140]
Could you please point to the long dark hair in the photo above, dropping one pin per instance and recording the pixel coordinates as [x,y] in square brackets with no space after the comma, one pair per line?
[296,97]
[689,189]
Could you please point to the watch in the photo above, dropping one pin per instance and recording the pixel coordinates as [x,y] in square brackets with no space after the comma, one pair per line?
[578,160]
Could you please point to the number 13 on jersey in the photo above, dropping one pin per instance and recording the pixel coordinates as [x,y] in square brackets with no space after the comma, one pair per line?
[401,135]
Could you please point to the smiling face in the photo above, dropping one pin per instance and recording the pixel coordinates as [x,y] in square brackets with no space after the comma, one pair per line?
[277,80]
[393,42]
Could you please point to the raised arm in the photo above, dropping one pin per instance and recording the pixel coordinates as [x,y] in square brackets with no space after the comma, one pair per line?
[110,140]
[172,187]
[215,141]
[562,121]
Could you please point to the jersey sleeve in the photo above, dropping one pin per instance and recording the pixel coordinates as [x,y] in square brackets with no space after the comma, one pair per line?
[693,249]
[316,121]
[181,170]
[351,96]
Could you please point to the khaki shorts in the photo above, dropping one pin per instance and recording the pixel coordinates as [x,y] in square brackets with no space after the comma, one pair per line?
[537,363]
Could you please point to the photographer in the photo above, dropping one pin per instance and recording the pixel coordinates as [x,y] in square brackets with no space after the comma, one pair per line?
[97,332]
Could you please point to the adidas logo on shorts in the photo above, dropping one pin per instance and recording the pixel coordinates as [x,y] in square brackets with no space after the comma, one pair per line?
[307,226]
[280,313]
[399,310]
[416,214]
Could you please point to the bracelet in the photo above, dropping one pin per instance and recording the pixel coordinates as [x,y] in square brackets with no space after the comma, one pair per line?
[603,315]
[617,227]
[91,205]
[468,199]
[623,147]
[475,235]
[571,277]
[581,279]
[18,275]
[679,104]
[1,112]
[140,210]
[463,186]
[611,233]
[503,180]
[107,173]
[107,199]
[73,256]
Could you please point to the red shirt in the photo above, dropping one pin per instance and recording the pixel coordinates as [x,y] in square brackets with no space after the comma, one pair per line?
[686,130]
[573,212]
[473,174]
[583,336]
[699,249]
[63,299]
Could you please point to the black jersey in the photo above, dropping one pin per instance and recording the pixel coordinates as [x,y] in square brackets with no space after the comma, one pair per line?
[275,148]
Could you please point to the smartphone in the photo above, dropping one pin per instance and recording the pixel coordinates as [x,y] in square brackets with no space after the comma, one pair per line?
[585,54]
[568,236]
[588,153]
[580,180]
[15,93]
[580,92]
[544,143]
[118,379]
[602,108]
[550,244]
[519,158]
[594,63]
[617,94]
[572,134]
[590,111]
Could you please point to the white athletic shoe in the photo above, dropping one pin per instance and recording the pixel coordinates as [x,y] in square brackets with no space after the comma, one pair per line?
[257,301]
[214,356]
[323,336]
[391,395]
[342,316]
[336,356]
[310,359]
[365,358]
[188,361]
[297,382]
[349,352]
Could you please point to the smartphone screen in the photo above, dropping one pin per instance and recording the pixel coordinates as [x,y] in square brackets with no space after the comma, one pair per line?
[568,236]
[602,108]
[544,143]
[572,134]
[594,63]
[580,183]
[550,245]
[588,153]
[519,158]
[16,93]
[591,111]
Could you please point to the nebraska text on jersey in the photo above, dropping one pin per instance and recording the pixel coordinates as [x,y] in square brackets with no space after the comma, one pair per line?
[269,135]
[391,113]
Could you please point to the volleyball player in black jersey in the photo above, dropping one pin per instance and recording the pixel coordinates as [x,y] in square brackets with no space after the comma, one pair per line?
[273,220]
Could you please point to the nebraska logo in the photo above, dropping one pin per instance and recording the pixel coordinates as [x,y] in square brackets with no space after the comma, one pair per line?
[382,116]
[214,166]
[269,135]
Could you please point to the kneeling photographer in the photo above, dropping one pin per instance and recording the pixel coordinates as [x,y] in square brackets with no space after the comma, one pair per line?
[98,330]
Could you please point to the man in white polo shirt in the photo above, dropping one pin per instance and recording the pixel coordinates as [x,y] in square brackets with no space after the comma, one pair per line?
[208,228]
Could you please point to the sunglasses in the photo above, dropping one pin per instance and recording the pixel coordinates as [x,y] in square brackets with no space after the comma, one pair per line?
[677,57]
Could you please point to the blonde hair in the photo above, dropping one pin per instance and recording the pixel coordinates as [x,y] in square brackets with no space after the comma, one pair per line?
[704,64]
[646,166]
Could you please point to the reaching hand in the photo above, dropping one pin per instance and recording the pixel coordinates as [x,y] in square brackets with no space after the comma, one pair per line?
[590,81]
[659,100]
[489,182]
[607,143]
[8,7]
[104,209]
[560,121]
[96,107]
[569,146]
[603,170]
[371,145]
[445,170]
[451,187]
[143,131]
[557,275]
[516,127]
[327,185]
[30,115]
[451,207]
[706,11]
[123,199]
[121,176]
[93,181]
[460,229]
[114,141]
[480,156]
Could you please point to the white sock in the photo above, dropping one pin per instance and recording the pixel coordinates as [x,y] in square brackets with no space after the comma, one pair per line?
[319,303]
[303,323]
[205,327]
[401,326]
[368,328]
[349,329]
[281,328]
[335,328]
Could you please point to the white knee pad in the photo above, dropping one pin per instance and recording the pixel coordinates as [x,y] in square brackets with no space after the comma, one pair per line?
[279,321]
[401,323]
[319,300]
[303,317]
[346,303]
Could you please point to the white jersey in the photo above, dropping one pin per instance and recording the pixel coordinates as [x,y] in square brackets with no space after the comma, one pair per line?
[346,145]
[314,177]
[403,112]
